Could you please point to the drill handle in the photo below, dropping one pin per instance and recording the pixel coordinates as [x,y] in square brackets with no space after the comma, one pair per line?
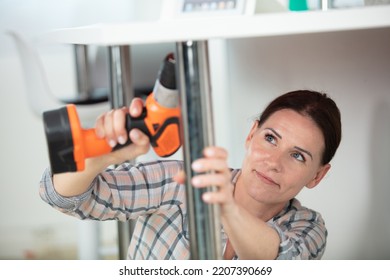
[131,123]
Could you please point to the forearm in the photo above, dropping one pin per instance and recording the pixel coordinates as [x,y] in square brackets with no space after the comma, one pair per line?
[75,183]
[250,237]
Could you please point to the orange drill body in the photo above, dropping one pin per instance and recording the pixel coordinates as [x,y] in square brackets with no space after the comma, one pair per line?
[69,144]
[85,142]
[159,123]
[163,125]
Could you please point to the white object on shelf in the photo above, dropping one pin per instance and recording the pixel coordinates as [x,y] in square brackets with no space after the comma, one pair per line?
[271,6]
[206,8]
[376,2]
[346,3]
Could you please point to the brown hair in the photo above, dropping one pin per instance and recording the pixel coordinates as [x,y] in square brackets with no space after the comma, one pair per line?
[319,107]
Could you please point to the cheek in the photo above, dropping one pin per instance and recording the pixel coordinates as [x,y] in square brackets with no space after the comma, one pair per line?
[297,178]
[254,156]
[291,184]
[256,150]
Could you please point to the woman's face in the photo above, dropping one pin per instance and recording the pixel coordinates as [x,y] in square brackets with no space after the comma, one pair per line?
[282,156]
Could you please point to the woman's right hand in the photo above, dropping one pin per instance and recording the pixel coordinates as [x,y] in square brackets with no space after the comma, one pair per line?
[111,126]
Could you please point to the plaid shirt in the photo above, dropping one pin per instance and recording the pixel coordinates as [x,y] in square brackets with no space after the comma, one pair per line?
[147,192]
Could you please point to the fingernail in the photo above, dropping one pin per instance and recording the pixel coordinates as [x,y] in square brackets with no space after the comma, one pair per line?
[206,197]
[121,140]
[135,134]
[209,152]
[112,143]
[196,181]
[196,166]
[134,111]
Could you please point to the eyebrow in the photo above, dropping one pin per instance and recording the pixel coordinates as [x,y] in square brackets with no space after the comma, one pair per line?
[274,131]
[304,151]
[296,147]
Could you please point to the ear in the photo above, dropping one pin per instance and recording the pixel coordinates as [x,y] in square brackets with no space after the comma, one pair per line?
[319,175]
[251,132]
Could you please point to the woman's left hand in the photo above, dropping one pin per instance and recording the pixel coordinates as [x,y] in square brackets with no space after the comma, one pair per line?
[213,170]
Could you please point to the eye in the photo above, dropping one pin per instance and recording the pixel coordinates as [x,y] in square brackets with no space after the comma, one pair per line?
[270,138]
[298,156]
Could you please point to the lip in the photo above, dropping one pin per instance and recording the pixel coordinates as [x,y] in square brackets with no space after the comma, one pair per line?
[265,179]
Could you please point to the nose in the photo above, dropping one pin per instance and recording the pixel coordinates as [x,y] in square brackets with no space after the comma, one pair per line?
[274,161]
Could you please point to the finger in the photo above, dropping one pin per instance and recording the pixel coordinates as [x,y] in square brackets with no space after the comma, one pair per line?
[205,164]
[215,197]
[99,127]
[215,152]
[136,107]
[119,125]
[140,144]
[139,138]
[109,129]
[211,179]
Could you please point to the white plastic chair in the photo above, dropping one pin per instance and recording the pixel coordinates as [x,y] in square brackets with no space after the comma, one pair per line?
[39,93]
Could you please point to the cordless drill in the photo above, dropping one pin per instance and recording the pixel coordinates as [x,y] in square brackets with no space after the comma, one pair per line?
[69,144]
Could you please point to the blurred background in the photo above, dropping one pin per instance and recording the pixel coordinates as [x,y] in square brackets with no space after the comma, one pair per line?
[352,66]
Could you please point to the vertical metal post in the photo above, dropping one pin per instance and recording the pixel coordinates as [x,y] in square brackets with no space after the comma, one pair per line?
[121,94]
[82,71]
[120,76]
[89,233]
[197,128]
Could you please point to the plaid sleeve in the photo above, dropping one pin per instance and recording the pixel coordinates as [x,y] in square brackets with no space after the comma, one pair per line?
[302,234]
[48,194]
[122,193]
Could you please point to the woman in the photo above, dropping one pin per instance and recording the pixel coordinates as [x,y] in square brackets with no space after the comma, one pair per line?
[288,148]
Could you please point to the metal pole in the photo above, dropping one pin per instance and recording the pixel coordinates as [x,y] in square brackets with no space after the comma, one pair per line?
[120,76]
[121,94]
[82,71]
[197,133]
[89,232]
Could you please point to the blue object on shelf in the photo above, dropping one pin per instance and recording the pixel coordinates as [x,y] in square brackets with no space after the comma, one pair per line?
[297,5]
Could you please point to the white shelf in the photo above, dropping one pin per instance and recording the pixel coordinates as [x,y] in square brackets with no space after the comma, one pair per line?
[272,24]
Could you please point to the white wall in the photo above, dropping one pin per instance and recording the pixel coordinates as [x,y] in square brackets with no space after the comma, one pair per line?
[353,67]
